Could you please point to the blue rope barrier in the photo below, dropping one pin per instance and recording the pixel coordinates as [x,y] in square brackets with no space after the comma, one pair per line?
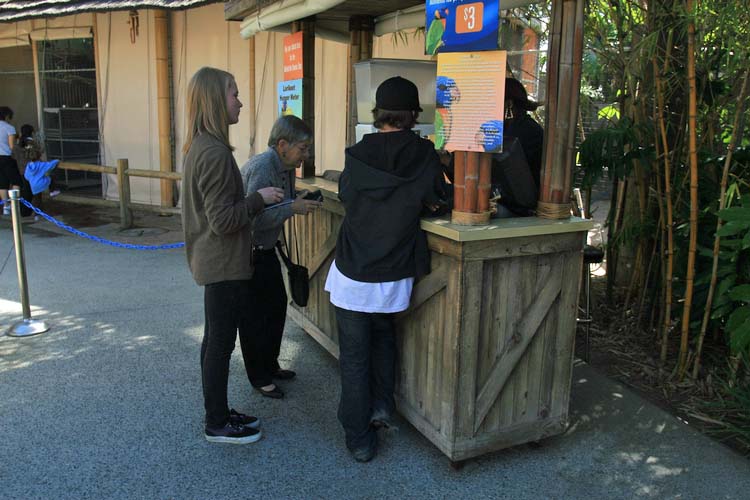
[96,238]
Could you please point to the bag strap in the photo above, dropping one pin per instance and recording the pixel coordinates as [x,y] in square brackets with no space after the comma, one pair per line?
[286,255]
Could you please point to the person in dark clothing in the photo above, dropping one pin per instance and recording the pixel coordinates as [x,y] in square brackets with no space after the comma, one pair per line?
[518,124]
[388,180]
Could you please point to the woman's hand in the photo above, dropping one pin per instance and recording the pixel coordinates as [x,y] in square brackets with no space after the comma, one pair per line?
[271,195]
[302,206]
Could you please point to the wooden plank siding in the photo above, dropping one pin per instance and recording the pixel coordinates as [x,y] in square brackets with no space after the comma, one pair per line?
[486,346]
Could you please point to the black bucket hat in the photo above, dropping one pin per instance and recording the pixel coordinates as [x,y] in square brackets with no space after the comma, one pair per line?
[515,91]
[397,94]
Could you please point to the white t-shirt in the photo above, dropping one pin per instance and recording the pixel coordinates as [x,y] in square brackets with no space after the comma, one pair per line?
[6,130]
[388,297]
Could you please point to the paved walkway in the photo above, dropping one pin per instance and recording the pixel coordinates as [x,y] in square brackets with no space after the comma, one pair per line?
[107,404]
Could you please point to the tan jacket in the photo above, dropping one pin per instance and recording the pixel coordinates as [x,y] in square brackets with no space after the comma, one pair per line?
[216,215]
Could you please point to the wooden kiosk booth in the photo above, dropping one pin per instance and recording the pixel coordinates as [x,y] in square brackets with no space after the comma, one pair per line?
[486,346]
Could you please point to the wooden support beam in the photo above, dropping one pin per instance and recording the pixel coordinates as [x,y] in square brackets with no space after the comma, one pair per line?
[563,90]
[251,103]
[163,101]
[485,182]
[123,187]
[307,27]
[360,49]
[459,186]
[471,181]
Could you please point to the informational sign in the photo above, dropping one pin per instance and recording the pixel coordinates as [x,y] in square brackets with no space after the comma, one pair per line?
[461,25]
[290,98]
[293,56]
[469,98]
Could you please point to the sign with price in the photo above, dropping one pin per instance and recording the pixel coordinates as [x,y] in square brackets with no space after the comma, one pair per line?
[461,25]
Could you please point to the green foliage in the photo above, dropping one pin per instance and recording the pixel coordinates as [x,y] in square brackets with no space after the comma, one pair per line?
[735,297]
[732,406]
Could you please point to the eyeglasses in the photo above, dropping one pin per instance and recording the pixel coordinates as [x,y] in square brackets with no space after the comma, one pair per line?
[303,147]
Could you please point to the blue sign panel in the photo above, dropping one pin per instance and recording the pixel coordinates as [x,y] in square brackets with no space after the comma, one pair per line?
[461,25]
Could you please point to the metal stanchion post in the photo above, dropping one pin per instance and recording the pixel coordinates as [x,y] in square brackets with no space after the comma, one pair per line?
[27,326]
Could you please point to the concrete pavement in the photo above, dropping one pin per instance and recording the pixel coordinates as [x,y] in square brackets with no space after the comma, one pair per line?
[107,404]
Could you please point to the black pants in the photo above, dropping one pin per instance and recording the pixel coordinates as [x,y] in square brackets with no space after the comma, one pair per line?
[9,174]
[367,361]
[260,350]
[227,309]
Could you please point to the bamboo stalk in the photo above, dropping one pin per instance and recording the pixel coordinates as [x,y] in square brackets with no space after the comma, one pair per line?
[552,100]
[471,180]
[717,238]
[693,162]
[659,197]
[669,222]
[485,182]
[459,183]
[574,110]
[564,95]
[163,100]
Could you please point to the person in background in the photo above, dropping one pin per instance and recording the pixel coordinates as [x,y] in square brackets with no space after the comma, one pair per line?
[288,146]
[29,150]
[388,179]
[520,125]
[10,177]
[216,219]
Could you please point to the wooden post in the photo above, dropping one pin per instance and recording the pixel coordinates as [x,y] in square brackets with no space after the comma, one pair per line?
[459,186]
[485,182]
[163,100]
[563,87]
[360,49]
[307,27]
[123,187]
[351,82]
[472,181]
[251,95]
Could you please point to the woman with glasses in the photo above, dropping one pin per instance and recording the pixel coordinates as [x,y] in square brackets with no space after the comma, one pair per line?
[288,146]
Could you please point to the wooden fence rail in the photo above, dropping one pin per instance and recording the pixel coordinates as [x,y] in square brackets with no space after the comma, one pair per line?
[124,173]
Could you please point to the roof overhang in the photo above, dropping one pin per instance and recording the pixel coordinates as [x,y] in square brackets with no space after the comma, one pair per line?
[332,16]
[19,10]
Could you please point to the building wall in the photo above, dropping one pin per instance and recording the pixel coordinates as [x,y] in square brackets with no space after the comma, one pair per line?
[17,85]
[126,73]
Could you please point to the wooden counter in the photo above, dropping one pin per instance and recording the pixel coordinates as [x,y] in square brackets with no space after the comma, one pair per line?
[486,346]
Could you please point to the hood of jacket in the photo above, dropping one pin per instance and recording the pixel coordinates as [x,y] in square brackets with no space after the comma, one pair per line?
[383,161]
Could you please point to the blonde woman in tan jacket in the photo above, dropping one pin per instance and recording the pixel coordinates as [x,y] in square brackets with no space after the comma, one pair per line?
[216,217]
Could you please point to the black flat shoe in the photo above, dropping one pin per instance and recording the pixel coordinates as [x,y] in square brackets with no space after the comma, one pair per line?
[284,374]
[274,393]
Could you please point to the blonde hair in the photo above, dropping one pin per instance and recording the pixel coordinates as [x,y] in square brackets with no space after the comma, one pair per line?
[207,106]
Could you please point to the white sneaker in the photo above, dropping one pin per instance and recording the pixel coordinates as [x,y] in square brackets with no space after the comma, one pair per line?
[54,193]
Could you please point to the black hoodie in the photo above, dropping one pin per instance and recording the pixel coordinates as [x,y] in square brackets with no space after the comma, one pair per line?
[388,179]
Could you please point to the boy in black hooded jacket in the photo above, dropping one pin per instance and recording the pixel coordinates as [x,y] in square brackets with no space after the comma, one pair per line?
[388,180]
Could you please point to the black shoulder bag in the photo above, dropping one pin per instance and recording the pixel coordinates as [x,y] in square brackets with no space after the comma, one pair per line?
[299,279]
[511,174]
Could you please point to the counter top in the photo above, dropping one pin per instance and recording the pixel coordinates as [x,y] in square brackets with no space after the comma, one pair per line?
[496,229]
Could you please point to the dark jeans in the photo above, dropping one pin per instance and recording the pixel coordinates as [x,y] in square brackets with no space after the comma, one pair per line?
[367,360]
[260,350]
[227,309]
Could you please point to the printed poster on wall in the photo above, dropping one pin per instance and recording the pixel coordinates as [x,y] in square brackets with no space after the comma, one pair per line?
[293,56]
[290,98]
[469,98]
[461,25]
